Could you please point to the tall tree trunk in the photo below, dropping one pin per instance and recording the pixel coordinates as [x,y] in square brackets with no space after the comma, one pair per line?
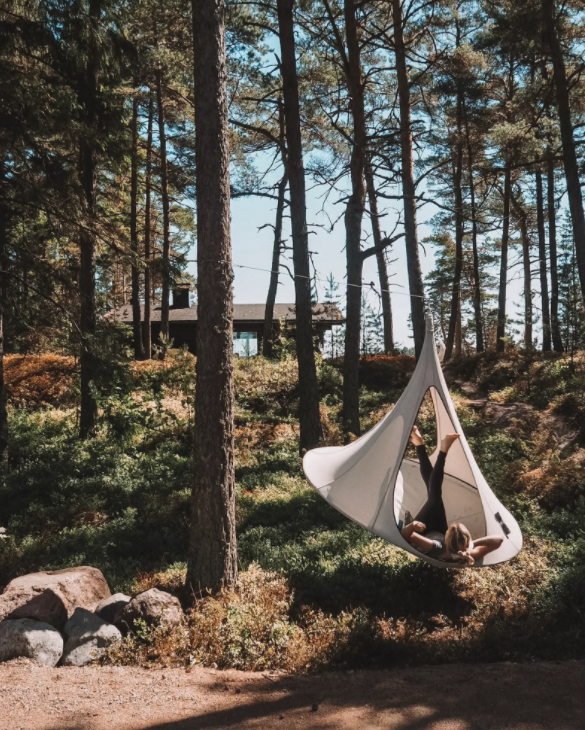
[309,418]
[3,284]
[527,278]
[381,261]
[88,173]
[268,342]
[136,309]
[455,318]
[147,334]
[212,552]
[164,184]
[569,153]
[546,330]
[502,289]
[408,189]
[354,212]
[557,340]
[479,343]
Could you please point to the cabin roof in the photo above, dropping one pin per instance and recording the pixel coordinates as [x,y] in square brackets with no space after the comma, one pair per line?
[322,313]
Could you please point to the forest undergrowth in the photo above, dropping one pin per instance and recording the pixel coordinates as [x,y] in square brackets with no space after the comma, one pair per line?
[315,589]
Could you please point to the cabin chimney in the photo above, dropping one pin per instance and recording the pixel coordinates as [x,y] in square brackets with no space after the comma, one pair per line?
[181,297]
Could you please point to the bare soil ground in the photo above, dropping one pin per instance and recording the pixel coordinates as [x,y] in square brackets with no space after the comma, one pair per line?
[457,697]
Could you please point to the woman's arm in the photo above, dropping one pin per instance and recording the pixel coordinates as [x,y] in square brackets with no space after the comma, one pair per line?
[411,534]
[485,545]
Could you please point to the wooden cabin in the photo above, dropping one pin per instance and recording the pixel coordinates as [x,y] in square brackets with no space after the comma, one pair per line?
[248,322]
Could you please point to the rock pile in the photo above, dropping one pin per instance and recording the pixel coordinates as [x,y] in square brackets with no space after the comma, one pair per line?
[69,616]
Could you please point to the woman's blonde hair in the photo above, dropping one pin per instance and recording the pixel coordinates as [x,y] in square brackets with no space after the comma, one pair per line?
[457,538]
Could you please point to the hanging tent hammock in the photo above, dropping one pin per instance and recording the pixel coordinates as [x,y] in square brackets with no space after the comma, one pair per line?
[372,483]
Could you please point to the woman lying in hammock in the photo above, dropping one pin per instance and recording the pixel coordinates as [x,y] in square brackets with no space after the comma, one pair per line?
[429,532]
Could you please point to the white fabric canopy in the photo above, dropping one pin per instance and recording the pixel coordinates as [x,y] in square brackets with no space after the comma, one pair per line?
[370,482]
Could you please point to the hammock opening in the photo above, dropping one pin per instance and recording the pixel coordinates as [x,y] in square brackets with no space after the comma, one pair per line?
[375,479]
[460,492]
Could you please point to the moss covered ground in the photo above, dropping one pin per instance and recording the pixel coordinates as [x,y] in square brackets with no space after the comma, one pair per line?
[316,590]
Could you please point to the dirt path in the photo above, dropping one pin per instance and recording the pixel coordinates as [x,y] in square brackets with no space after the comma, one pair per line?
[473,697]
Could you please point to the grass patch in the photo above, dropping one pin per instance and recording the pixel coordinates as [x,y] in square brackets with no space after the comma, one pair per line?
[316,590]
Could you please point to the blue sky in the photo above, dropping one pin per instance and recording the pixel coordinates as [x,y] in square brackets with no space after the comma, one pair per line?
[253,248]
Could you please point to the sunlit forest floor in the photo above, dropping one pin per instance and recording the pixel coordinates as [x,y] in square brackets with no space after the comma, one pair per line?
[316,590]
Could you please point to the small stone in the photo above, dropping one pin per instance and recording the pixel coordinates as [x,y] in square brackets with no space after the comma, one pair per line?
[110,609]
[36,640]
[152,606]
[314,707]
[87,636]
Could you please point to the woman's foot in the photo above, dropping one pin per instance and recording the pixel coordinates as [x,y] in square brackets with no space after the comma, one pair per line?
[416,438]
[448,441]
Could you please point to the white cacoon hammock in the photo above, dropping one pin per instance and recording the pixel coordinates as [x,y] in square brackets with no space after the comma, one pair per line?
[370,482]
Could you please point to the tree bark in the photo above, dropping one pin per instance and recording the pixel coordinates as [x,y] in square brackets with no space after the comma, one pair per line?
[147,334]
[502,289]
[268,342]
[354,212]
[567,137]
[479,343]
[546,329]
[381,261]
[455,318]
[212,552]
[164,184]
[527,277]
[3,284]
[309,418]
[136,309]
[557,340]
[88,174]
[408,188]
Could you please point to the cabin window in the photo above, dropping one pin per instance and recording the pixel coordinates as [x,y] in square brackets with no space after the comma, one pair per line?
[245,344]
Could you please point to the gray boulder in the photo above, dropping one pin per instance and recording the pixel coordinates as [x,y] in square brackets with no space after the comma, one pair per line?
[152,606]
[87,636]
[36,640]
[110,609]
[52,596]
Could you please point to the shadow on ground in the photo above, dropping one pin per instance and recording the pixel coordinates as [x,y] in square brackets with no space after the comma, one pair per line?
[539,696]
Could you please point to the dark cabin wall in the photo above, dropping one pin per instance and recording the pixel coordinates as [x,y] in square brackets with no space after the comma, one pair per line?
[185,333]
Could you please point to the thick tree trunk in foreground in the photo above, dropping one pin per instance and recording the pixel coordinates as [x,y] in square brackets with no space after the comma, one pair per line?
[569,153]
[502,289]
[88,174]
[454,331]
[353,227]
[164,184]
[479,343]
[136,313]
[212,552]
[309,418]
[557,340]
[3,283]
[546,330]
[147,334]
[268,342]
[408,189]
[381,261]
